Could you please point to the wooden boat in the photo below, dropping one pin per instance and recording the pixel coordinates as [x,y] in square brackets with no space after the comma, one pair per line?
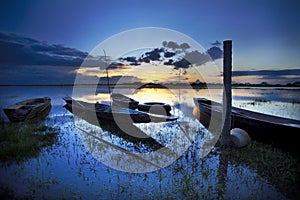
[269,129]
[28,109]
[155,108]
[104,111]
[123,101]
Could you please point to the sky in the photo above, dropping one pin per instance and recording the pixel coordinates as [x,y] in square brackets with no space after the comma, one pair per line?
[265,34]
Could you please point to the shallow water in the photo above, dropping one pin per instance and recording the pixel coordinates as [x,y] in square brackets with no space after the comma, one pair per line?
[79,165]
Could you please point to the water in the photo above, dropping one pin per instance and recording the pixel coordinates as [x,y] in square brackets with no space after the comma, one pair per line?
[71,168]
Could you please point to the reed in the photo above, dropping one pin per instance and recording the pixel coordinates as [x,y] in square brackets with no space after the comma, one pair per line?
[23,140]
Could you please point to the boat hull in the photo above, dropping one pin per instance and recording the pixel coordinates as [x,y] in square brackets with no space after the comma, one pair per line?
[115,114]
[28,109]
[268,129]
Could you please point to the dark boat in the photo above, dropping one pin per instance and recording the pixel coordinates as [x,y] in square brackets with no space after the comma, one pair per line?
[117,114]
[28,109]
[265,128]
[123,101]
[155,108]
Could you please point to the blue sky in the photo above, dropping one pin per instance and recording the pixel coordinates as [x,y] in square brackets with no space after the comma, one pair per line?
[265,34]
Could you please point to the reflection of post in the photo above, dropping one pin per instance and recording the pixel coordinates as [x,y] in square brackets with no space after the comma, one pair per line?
[226,116]
[222,174]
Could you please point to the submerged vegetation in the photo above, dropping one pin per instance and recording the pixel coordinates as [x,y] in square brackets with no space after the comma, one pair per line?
[280,168]
[19,141]
[39,161]
[222,174]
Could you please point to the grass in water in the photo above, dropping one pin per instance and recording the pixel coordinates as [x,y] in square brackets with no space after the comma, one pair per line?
[23,140]
[277,166]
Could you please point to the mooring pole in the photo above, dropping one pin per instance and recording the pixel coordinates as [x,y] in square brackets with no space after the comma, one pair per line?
[106,69]
[227,96]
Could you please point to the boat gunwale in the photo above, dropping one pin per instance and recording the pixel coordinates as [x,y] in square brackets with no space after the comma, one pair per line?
[267,118]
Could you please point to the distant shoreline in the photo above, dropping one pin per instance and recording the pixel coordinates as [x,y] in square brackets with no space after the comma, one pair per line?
[171,86]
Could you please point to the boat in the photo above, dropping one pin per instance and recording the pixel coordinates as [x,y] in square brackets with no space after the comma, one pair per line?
[123,101]
[278,131]
[155,108]
[105,111]
[28,109]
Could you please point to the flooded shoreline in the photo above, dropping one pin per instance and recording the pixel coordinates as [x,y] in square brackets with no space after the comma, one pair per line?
[71,169]
[284,102]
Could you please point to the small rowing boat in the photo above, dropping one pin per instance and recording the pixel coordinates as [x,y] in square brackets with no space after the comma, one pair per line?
[261,127]
[28,109]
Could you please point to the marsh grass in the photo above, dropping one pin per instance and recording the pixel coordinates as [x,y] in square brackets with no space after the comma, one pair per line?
[23,140]
[280,168]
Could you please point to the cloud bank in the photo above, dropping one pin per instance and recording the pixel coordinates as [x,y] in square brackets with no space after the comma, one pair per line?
[19,50]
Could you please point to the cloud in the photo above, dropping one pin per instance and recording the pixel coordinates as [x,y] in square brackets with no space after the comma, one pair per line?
[195,57]
[183,63]
[174,45]
[267,73]
[119,80]
[271,76]
[117,66]
[36,75]
[215,53]
[177,55]
[216,43]
[19,50]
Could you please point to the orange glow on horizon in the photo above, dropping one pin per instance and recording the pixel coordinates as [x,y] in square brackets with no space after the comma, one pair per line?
[154,73]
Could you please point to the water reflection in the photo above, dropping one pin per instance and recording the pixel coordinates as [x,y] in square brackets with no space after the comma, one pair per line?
[75,172]
[171,139]
[164,142]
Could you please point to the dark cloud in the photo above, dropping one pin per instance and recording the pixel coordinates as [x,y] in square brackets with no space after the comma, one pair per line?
[183,63]
[19,50]
[169,62]
[174,45]
[272,76]
[37,75]
[168,54]
[117,66]
[119,80]
[171,45]
[195,57]
[184,46]
[216,43]
[267,73]
[130,59]
[154,54]
[215,53]
[179,57]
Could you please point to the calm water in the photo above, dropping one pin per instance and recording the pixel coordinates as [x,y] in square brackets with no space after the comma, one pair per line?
[281,102]
[81,164]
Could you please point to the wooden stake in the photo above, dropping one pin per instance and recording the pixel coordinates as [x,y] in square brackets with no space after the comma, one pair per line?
[227,96]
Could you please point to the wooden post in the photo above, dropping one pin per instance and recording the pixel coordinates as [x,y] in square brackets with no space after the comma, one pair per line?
[227,96]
